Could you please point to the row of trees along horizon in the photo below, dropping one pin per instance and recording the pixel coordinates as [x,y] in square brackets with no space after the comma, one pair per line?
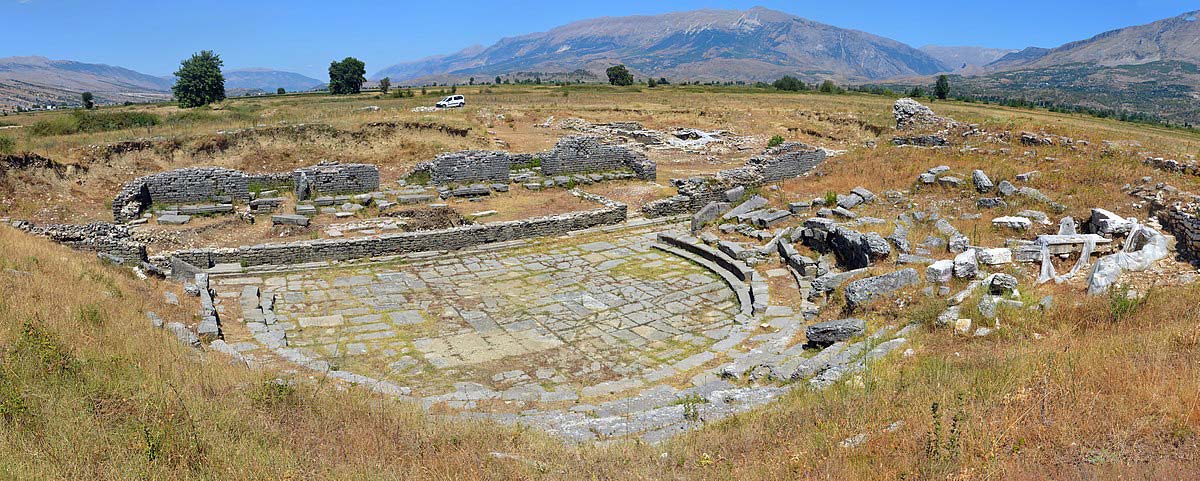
[200,81]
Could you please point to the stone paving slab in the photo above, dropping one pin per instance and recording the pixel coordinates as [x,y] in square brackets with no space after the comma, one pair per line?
[586,336]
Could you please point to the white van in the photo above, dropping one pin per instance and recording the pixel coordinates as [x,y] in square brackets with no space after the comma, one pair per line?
[451,102]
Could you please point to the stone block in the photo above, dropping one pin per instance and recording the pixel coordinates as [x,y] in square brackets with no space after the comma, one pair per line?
[176,219]
[827,333]
[290,219]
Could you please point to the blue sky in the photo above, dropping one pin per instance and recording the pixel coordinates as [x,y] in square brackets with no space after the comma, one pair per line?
[303,36]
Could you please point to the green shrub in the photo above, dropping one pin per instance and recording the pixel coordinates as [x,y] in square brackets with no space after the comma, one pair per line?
[790,84]
[7,145]
[775,140]
[1124,301]
[274,394]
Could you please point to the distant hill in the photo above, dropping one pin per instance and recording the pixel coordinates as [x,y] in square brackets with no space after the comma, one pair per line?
[1147,71]
[960,58]
[30,81]
[268,80]
[754,45]
[1172,39]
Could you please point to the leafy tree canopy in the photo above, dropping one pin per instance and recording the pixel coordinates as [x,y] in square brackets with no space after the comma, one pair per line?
[346,77]
[199,81]
[619,75]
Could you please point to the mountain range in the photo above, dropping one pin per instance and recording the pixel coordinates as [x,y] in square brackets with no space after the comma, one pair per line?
[752,45]
[29,82]
[1146,68]
[268,80]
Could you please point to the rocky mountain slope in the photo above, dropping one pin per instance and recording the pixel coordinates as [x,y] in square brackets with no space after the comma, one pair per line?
[30,81]
[1176,38]
[960,58]
[268,80]
[753,45]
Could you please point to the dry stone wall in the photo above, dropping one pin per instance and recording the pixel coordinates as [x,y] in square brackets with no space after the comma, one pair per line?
[571,155]
[470,166]
[111,240]
[391,244]
[334,178]
[1186,228]
[785,161]
[205,184]
[193,184]
[579,154]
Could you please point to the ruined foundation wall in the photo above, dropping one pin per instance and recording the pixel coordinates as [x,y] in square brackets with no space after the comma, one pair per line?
[391,244]
[470,166]
[580,154]
[333,178]
[192,184]
[1185,226]
[781,162]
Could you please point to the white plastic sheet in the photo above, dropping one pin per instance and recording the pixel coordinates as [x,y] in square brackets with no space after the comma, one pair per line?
[1048,272]
[1108,269]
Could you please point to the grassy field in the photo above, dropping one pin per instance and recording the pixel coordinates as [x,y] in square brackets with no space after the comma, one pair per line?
[1084,390]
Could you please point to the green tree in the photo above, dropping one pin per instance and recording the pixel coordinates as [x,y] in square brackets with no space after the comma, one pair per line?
[385,84]
[789,83]
[619,75]
[199,80]
[497,80]
[89,102]
[942,88]
[828,87]
[916,92]
[651,83]
[471,81]
[346,77]
[280,91]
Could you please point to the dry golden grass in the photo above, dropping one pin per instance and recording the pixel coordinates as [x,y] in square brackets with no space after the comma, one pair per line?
[95,393]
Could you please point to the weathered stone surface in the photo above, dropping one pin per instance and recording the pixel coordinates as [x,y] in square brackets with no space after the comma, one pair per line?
[709,213]
[950,181]
[829,332]
[174,219]
[983,184]
[863,291]
[940,272]
[911,114]
[899,238]
[1001,284]
[289,219]
[965,265]
[750,205]
[1006,189]
[994,257]
[1107,223]
[1012,222]
[927,140]
[856,250]
[1067,226]
[849,201]
[866,195]
[182,333]
[990,203]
